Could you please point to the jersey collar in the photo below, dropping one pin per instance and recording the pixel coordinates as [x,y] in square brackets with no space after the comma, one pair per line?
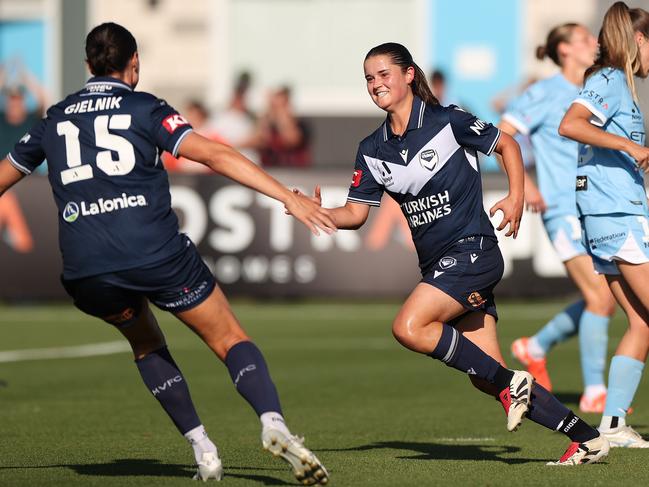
[415,122]
[107,80]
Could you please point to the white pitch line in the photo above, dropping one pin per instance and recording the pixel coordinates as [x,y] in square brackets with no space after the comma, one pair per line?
[89,350]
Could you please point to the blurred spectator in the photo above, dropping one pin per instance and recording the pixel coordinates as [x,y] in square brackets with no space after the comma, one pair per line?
[284,139]
[237,124]
[440,89]
[15,118]
[197,115]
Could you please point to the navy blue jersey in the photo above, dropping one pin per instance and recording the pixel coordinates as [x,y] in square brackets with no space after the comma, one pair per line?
[432,172]
[102,146]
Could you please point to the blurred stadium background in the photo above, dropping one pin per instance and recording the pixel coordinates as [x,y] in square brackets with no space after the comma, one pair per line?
[196,50]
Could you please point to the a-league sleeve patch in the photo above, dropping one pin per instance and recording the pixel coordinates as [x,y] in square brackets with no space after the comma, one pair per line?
[356,178]
[172,122]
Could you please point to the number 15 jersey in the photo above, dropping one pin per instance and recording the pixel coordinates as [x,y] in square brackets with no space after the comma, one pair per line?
[102,146]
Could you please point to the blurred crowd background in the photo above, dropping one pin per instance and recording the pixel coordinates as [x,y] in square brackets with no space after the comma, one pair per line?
[282,81]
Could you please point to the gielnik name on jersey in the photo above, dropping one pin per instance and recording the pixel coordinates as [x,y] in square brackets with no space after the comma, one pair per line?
[72,210]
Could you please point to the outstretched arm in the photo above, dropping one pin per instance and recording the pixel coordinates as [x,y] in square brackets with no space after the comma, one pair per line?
[9,175]
[576,125]
[533,198]
[225,160]
[512,204]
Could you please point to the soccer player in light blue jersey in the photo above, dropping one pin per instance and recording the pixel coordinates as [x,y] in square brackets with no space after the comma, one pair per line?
[607,122]
[538,112]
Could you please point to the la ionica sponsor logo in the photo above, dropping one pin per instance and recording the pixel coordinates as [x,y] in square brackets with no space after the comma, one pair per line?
[73,211]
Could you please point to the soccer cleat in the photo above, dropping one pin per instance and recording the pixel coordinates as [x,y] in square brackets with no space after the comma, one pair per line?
[516,398]
[210,467]
[590,451]
[592,404]
[536,367]
[306,466]
[625,437]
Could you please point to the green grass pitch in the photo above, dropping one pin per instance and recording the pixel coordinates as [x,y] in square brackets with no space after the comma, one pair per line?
[375,413]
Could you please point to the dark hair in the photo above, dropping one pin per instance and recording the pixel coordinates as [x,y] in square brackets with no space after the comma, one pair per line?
[561,33]
[617,46]
[109,47]
[242,83]
[401,57]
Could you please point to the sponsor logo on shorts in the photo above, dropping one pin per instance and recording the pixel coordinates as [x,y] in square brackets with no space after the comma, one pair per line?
[447,262]
[582,183]
[475,299]
[613,237]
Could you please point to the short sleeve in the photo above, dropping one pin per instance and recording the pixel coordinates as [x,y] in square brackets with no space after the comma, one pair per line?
[364,188]
[473,133]
[528,111]
[169,127]
[601,95]
[28,152]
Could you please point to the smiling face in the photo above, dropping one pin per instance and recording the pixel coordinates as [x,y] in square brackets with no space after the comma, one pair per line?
[387,84]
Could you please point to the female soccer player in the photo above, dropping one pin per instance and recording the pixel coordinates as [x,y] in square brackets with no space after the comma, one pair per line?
[122,248]
[607,122]
[538,111]
[424,156]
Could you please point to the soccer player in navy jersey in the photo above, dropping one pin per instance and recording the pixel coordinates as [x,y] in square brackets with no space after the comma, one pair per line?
[424,157]
[537,112]
[122,248]
[605,118]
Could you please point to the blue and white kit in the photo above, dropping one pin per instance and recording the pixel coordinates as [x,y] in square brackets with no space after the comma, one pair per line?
[432,172]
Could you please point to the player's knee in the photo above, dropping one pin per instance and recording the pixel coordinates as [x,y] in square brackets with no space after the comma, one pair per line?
[600,301]
[415,336]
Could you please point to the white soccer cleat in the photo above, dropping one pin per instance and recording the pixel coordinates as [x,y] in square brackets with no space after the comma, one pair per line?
[625,437]
[210,467]
[516,398]
[306,466]
[590,451]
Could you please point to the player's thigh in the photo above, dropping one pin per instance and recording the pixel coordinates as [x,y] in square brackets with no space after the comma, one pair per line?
[426,304]
[593,286]
[144,334]
[637,277]
[214,321]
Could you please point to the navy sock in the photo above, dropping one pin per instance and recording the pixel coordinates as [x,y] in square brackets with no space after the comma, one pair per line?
[577,429]
[167,384]
[545,409]
[462,354]
[250,375]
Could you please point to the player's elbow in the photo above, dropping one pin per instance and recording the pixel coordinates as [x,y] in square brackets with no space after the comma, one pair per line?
[566,127]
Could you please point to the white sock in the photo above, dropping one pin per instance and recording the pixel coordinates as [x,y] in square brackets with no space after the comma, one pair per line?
[594,390]
[605,424]
[274,420]
[534,349]
[199,441]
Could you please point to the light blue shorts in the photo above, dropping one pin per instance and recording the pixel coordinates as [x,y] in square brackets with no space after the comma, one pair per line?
[566,236]
[616,237]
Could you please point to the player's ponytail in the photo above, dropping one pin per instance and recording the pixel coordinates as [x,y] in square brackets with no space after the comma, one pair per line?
[617,44]
[561,33]
[402,58]
[109,47]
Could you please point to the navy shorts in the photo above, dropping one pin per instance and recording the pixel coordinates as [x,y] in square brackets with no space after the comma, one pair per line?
[468,272]
[176,284]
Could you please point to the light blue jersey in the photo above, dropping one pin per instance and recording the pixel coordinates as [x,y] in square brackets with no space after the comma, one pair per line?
[538,112]
[608,181]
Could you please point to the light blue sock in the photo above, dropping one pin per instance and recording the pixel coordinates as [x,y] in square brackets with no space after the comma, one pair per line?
[623,380]
[561,327]
[593,342]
